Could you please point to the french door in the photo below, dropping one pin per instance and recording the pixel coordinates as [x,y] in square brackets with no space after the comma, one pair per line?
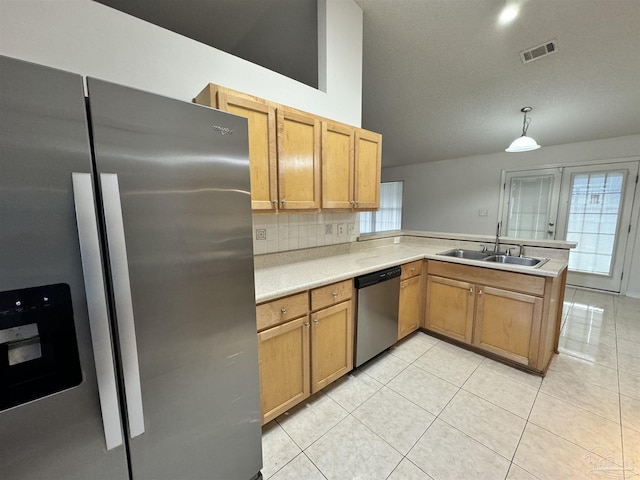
[589,205]
[595,212]
[531,203]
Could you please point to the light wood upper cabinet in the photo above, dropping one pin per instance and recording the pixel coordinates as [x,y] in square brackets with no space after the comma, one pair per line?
[261,116]
[298,160]
[338,164]
[351,162]
[368,158]
[284,353]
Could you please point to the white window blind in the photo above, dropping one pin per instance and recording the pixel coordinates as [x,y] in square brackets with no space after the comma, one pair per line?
[389,217]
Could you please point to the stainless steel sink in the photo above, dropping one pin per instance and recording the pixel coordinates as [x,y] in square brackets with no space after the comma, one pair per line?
[492,257]
[525,261]
[468,254]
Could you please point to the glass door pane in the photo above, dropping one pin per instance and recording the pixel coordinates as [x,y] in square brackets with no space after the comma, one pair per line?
[594,211]
[531,203]
[596,215]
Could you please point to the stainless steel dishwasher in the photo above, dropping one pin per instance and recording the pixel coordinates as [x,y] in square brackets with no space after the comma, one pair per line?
[377,313]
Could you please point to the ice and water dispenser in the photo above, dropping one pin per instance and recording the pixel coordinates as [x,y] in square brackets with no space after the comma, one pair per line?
[38,348]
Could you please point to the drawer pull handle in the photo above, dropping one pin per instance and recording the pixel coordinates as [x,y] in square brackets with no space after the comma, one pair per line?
[283,311]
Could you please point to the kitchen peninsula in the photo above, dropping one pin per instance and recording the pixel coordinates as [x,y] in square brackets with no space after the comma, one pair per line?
[507,311]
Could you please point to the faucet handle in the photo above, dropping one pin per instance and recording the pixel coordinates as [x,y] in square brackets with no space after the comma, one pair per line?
[508,252]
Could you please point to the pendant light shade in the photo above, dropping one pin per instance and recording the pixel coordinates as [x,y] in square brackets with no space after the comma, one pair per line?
[523,143]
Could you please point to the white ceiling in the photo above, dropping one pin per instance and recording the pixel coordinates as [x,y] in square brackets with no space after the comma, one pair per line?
[442,79]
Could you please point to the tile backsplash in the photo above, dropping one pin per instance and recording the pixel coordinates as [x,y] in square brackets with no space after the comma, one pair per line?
[279,233]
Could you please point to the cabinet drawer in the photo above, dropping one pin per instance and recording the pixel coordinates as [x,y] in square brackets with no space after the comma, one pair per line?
[411,269]
[281,310]
[331,294]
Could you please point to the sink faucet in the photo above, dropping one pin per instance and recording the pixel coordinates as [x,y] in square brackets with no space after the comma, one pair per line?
[497,245]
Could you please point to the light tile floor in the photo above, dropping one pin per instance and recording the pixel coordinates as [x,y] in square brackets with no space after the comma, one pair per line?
[429,410]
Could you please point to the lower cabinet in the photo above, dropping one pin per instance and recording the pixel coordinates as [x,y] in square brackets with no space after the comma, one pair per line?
[284,353]
[410,312]
[303,355]
[331,344]
[450,307]
[506,323]
[512,315]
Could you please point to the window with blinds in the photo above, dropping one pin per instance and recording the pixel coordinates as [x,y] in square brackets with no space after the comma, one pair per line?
[389,217]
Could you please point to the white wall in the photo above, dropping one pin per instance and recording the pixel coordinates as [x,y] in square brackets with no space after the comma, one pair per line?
[94,40]
[447,195]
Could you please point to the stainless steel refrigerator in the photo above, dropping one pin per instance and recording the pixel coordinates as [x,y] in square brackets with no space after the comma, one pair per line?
[127,311]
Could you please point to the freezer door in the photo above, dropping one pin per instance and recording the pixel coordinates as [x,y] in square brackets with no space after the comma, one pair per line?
[44,324]
[175,183]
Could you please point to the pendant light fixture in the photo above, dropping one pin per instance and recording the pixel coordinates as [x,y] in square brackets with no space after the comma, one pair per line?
[523,143]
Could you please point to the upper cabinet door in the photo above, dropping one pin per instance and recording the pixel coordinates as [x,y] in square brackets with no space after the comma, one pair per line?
[338,160]
[298,160]
[368,157]
[262,146]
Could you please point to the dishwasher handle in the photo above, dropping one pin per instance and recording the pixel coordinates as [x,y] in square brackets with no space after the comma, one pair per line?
[376,277]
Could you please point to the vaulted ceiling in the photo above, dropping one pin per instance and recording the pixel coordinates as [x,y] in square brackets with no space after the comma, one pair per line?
[443,79]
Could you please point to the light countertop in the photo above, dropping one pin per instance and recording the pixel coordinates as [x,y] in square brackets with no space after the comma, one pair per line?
[284,274]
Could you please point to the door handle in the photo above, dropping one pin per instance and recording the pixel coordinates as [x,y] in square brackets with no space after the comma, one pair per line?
[124,305]
[97,307]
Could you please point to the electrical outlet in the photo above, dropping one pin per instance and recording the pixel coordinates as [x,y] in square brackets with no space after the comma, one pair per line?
[483,212]
[261,233]
[396,239]
[341,230]
[328,229]
[350,229]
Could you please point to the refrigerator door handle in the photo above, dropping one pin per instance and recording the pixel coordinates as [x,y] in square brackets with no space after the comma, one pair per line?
[97,307]
[123,303]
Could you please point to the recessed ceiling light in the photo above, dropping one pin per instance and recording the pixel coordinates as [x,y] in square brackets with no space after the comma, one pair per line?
[508,14]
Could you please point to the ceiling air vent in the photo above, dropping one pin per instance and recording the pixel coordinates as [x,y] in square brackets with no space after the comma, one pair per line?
[540,51]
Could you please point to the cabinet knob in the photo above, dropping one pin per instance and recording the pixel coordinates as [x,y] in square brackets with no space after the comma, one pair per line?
[307,324]
[352,202]
[274,201]
[334,294]
[283,201]
[357,202]
[479,292]
[315,320]
[283,311]
[471,290]
[413,269]
[402,286]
